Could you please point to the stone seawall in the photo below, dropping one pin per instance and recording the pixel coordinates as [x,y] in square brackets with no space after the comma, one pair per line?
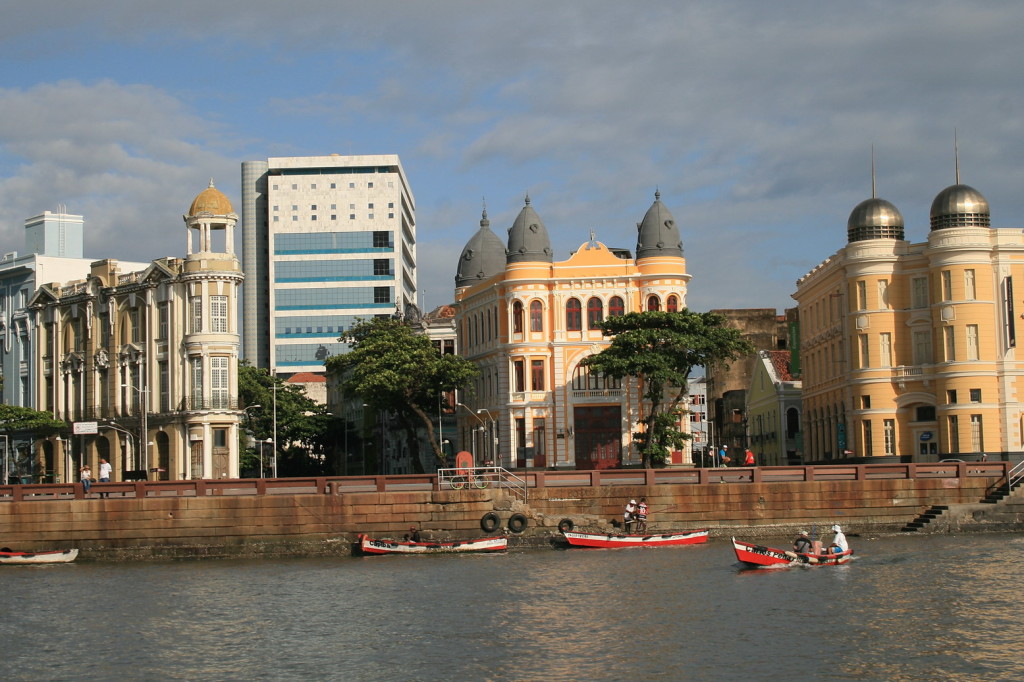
[315,524]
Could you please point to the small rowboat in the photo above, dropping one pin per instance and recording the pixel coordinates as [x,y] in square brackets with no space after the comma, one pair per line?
[608,541]
[370,546]
[756,556]
[55,557]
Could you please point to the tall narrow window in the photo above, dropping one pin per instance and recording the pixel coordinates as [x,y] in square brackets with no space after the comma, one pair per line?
[947,285]
[219,314]
[537,375]
[219,382]
[672,304]
[197,314]
[653,303]
[970,287]
[163,313]
[517,317]
[883,294]
[536,316]
[165,387]
[954,435]
[867,438]
[573,315]
[135,314]
[615,307]
[865,359]
[949,342]
[1009,321]
[919,292]
[862,295]
[885,349]
[889,432]
[972,342]
[539,437]
[977,436]
[595,313]
[197,383]
[520,375]
[922,348]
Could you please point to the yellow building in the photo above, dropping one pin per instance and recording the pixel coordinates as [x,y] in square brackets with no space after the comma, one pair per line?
[145,363]
[910,349]
[527,321]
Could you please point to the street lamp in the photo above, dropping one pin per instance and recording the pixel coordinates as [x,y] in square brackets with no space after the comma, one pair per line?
[493,437]
[144,427]
[274,377]
[245,416]
[483,425]
[7,470]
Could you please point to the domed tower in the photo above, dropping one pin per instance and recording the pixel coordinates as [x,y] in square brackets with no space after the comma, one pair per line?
[874,218]
[211,212]
[658,234]
[528,240]
[960,206]
[482,258]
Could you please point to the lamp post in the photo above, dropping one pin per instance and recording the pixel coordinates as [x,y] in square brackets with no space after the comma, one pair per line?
[7,469]
[144,427]
[131,436]
[274,452]
[493,436]
[245,416]
[482,424]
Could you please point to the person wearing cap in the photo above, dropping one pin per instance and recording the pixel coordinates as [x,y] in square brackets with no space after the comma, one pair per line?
[839,543]
[413,535]
[627,516]
[802,544]
[723,456]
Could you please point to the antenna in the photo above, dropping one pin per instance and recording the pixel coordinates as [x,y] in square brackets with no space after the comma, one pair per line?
[956,156]
[873,171]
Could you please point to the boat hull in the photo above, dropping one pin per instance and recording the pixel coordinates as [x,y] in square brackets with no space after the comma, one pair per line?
[54,557]
[368,545]
[757,556]
[608,541]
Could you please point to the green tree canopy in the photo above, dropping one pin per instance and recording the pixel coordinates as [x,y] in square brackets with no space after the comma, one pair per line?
[14,419]
[392,368]
[305,429]
[660,350]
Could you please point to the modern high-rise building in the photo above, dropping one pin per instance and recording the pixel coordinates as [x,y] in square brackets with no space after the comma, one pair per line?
[326,241]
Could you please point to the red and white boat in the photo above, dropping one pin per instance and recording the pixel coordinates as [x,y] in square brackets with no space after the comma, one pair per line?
[609,541]
[370,546]
[8,556]
[757,556]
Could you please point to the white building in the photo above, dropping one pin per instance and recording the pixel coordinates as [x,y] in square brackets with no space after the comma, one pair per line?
[325,240]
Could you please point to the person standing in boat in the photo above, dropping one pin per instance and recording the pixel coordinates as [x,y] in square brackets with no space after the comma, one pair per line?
[802,544]
[627,516]
[641,515]
[839,543]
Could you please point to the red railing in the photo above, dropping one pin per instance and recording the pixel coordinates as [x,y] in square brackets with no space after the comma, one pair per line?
[333,485]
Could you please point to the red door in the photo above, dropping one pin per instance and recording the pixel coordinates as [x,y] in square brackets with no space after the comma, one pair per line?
[598,436]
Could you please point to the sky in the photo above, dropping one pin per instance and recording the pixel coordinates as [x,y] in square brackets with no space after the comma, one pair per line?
[754,120]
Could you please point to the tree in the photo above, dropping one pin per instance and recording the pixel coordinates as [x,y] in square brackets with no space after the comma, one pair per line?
[26,420]
[660,350]
[394,369]
[305,429]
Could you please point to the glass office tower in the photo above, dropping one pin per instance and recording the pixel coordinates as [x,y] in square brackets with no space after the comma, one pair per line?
[326,240]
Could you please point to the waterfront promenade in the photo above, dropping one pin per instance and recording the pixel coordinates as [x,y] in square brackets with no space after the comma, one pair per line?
[310,515]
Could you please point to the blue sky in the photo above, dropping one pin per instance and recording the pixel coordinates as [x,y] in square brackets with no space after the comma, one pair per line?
[754,120]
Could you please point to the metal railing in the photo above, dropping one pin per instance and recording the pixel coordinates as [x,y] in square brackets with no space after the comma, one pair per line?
[480,478]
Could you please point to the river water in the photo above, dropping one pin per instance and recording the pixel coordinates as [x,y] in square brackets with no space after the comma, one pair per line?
[907,608]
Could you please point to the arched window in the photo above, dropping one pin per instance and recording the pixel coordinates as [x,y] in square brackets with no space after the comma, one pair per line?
[573,315]
[584,379]
[536,317]
[653,303]
[615,307]
[517,317]
[672,304]
[595,312]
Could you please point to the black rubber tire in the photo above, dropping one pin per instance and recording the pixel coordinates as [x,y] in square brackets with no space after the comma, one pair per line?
[489,522]
[566,526]
[517,523]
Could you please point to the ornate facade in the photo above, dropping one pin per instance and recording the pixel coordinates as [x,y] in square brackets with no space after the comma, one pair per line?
[144,363]
[527,321]
[910,349]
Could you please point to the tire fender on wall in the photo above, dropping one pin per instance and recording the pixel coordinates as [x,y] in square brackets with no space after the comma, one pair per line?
[566,526]
[489,522]
[517,523]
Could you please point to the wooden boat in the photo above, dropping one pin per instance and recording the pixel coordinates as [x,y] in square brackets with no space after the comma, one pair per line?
[757,556]
[8,556]
[370,546]
[609,541]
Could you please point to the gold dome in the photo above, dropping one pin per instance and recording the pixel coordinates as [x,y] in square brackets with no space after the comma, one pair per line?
[211,200]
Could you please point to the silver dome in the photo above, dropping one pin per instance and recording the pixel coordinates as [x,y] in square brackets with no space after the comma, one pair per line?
[874,218]
[960,206]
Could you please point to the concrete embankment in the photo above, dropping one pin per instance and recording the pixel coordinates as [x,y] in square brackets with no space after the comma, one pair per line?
[327,524]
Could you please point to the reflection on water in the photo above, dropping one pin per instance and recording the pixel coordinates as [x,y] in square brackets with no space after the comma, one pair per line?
[908,608]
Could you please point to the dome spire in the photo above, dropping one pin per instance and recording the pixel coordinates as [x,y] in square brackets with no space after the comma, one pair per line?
[956,157]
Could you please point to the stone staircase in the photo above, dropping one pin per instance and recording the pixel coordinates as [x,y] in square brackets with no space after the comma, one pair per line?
[1000,495]
[924,518]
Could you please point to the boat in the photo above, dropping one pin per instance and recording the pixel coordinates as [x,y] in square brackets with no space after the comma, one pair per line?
[757,556]
[370,546]
[611,541]
[8,556]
